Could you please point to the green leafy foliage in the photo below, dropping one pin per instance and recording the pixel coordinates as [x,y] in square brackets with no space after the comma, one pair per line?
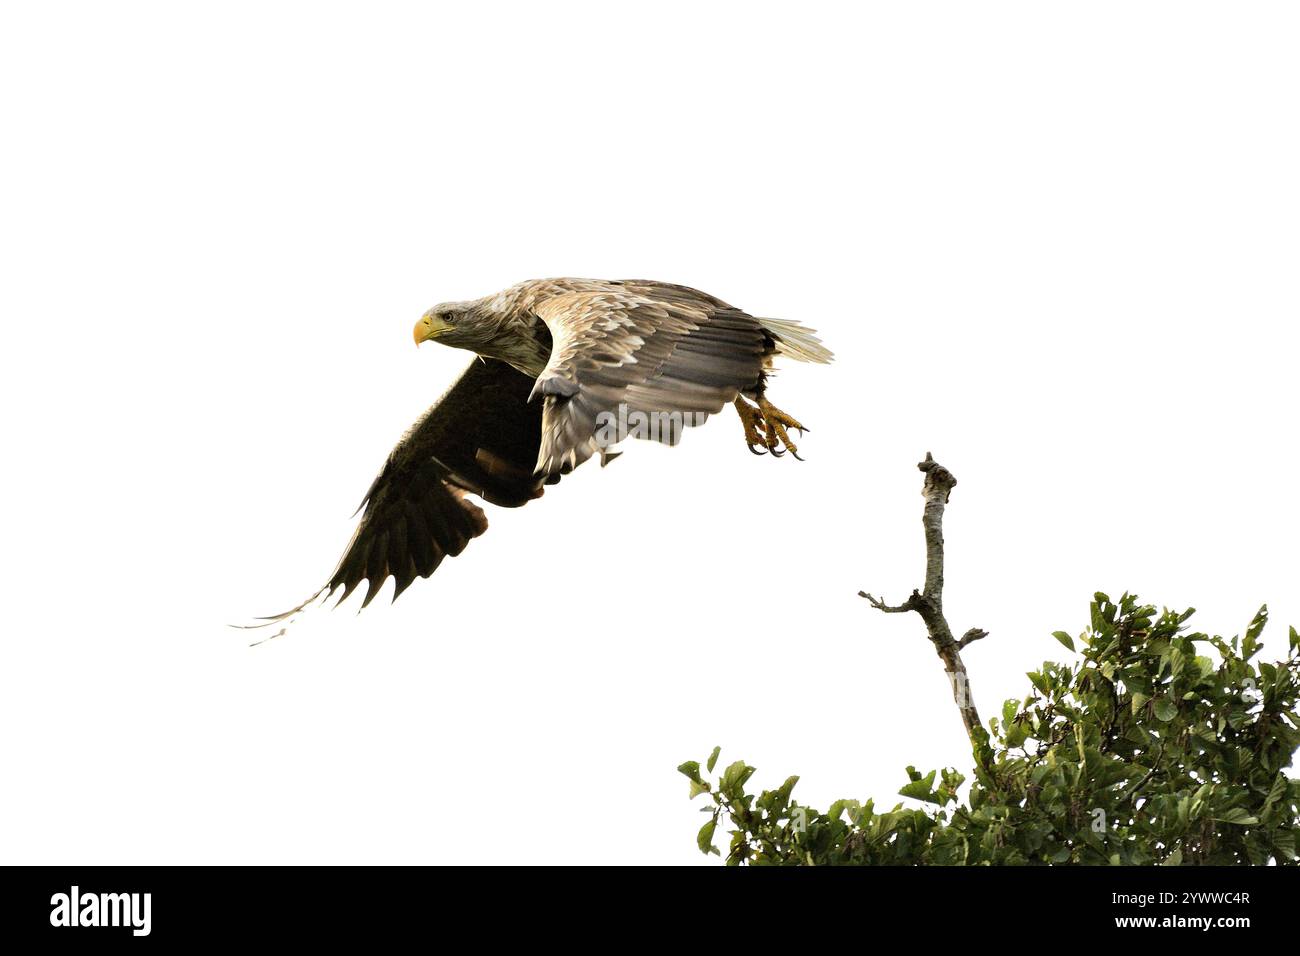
[1147,751]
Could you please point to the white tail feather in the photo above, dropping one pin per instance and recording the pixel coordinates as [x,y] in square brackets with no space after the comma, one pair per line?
[798,341]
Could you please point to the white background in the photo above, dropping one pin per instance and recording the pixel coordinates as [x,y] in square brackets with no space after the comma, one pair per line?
[1054,244]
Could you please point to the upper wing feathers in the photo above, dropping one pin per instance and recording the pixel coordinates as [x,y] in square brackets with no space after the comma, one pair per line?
[639,347]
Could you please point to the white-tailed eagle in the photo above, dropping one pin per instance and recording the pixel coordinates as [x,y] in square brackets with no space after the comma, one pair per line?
[566,369]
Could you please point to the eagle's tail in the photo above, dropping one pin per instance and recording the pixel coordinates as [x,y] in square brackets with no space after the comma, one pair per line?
[797,341]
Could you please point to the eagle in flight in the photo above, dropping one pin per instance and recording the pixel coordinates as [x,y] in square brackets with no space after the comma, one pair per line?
[566,369]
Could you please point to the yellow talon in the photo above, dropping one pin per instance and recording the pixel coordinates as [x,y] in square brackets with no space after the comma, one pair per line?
[752,419]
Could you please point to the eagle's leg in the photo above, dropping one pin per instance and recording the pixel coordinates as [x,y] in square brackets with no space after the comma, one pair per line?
[775,423]
[752,419]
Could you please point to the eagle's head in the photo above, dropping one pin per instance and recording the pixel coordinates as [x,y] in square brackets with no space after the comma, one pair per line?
[478,327]
[454,324]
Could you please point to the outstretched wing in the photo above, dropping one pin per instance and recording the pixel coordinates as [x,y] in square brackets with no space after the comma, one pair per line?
[671,354]
[482,437]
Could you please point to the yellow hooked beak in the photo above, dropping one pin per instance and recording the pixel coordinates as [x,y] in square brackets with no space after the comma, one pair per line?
[429,327]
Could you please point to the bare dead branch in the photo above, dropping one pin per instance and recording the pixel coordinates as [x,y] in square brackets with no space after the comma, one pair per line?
[928,603]
[880,605]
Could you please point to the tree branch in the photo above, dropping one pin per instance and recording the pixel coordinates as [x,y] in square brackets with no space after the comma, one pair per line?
[928,603]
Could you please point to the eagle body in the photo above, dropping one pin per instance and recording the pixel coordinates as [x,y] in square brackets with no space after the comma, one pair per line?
[558,362]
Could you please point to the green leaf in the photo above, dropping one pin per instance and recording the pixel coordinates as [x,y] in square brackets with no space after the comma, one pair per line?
[1235,815]
[1009,708]
[921,789]
[735,776]
[854,808]
[1250,643]
[691,769]
[1275,793]
[1064,638]
[1166,709]
[704,839]
[713,759]
[1177,662]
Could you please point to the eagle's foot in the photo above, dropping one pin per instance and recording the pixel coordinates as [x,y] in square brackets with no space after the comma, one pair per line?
[765,428]
[775,423]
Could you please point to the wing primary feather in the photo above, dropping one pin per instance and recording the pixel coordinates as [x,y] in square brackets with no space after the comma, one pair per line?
[481,437]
